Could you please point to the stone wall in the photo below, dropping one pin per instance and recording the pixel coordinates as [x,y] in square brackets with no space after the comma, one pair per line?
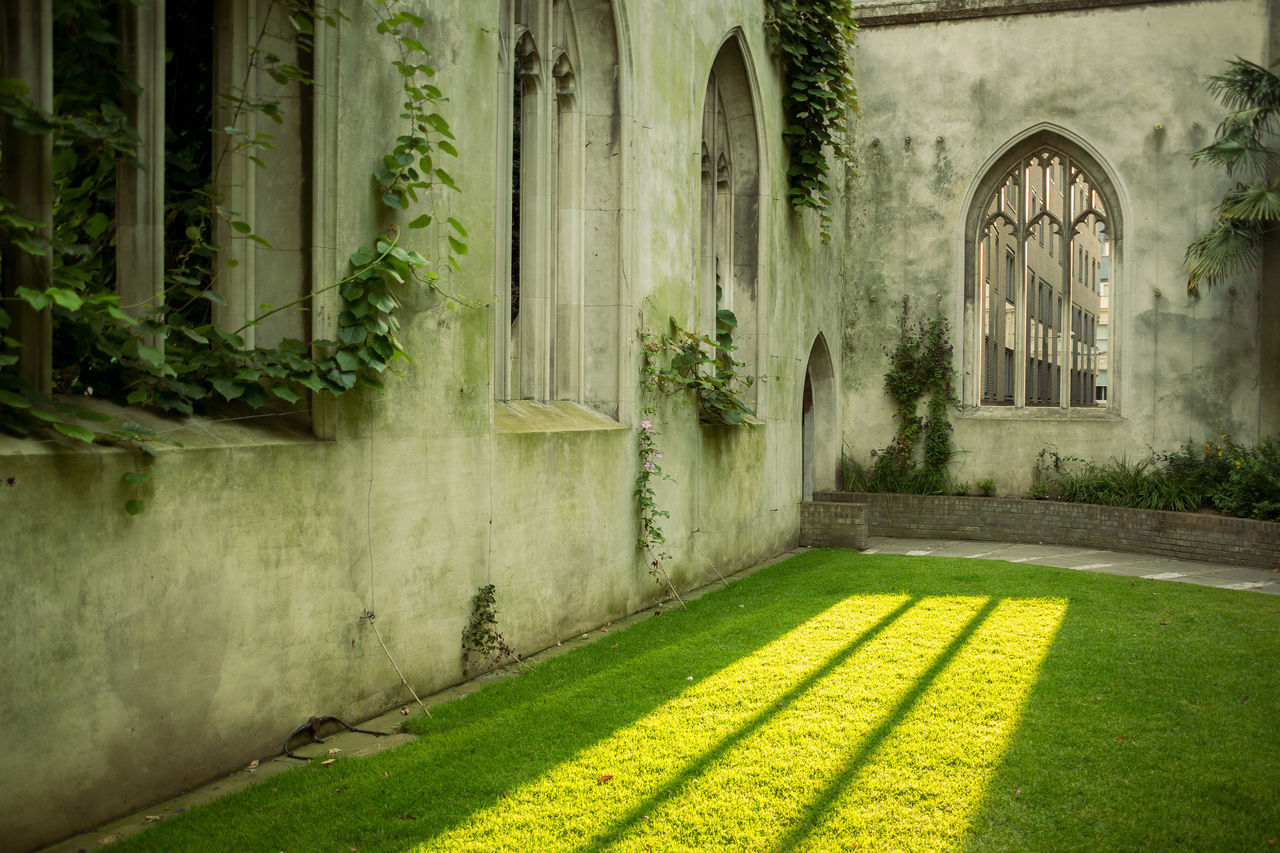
[833,524]
[1188,536]
[148,654]
[945,90]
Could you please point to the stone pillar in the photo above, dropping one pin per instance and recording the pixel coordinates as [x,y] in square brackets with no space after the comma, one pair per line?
[26,52]
[140,188]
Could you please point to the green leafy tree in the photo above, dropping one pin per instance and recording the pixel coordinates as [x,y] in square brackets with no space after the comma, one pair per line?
[1249,212]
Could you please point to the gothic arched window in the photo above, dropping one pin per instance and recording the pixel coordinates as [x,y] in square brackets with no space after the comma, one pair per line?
[1043,216]
[730,218]
[558,330]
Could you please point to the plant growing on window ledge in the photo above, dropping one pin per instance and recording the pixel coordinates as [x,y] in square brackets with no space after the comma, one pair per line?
[704,365]
[174,357]
[814,40]
[696,363]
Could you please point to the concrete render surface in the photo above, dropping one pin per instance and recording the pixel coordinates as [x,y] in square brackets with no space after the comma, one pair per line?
[354,744]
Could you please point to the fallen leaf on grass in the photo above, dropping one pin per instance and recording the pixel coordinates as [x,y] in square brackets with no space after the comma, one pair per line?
[153,818]
[253,765]
[327,762]
[334,750]
[604,630]
[603,779]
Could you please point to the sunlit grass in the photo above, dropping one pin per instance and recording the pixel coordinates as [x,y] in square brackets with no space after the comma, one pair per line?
[739,760]
[835,700]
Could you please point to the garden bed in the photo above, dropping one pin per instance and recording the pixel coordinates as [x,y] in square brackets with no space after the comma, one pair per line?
[1189,536]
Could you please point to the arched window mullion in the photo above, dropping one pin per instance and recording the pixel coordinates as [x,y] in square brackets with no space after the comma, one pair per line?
[1066,295]
[560,338]
[1021,324]
[1038,330]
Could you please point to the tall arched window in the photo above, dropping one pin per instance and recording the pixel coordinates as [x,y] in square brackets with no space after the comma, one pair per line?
[557,328]
[1043,216]
[730,209]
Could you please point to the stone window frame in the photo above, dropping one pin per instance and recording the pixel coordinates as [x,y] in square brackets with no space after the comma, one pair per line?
[729,214]
[992,179]
[257,274]
[560,85]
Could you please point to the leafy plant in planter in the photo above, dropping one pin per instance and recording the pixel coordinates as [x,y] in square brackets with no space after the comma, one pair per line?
[704,365]
[920,366]
[1220,474]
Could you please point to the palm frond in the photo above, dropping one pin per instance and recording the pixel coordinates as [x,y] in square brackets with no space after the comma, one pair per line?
[1259,118]
[1246,85]
[1237,149]
[1258,201]
[1230,247]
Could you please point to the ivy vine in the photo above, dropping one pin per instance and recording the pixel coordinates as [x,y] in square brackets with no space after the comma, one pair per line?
[651,541]
[677,362]
[173,356]
[814,40]
[920,366]
[702,364]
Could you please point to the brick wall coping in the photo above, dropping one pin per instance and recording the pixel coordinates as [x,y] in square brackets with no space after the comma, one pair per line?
[1182,535]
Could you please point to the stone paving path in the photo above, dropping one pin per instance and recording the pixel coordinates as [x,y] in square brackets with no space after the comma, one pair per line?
[353,744]
[1090,560]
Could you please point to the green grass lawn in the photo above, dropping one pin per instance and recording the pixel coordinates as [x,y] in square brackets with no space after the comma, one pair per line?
[835,701]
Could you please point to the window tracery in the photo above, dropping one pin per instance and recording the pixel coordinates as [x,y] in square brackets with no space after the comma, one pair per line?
[1038,332]
[559,271]
[730,227]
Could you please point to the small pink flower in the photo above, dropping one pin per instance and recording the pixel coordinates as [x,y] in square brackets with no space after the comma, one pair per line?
[646,426]
[648,466]
[658,454]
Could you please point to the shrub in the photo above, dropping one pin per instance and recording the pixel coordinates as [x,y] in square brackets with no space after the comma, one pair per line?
[1252,489]
[1237,480]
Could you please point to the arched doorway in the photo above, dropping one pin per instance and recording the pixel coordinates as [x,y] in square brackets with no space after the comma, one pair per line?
[819,432]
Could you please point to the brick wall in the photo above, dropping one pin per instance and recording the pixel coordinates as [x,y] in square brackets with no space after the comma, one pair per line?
[1191,536]
[833,524]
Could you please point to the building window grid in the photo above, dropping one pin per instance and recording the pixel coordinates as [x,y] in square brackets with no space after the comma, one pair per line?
[1045,322]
